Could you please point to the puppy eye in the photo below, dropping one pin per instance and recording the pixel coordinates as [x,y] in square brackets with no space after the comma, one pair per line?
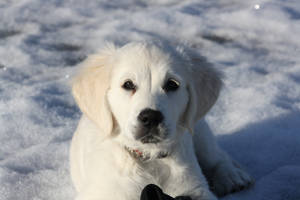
[171,85]
[128,85]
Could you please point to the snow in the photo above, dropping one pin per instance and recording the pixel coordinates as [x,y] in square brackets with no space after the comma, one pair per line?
[256,45]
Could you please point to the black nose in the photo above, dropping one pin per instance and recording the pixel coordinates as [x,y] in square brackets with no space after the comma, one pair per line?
[150,118]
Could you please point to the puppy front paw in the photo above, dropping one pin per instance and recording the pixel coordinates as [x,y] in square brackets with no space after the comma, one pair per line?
[229,178]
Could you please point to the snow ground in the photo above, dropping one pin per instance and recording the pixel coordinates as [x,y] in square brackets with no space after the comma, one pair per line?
[256,119]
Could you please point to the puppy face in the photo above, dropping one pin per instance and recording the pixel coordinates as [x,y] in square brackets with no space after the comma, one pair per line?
[148,95]
[145,94]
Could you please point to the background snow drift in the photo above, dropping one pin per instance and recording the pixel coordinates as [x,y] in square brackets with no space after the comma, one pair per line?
[256,44]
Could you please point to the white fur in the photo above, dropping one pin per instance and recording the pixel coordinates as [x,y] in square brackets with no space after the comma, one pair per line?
[102,168]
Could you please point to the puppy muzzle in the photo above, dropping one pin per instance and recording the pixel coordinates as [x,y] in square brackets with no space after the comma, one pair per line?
[150,127]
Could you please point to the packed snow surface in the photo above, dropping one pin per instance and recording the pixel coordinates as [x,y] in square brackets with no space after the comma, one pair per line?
[256,44]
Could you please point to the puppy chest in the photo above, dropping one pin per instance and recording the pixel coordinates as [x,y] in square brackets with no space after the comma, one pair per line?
[154,172]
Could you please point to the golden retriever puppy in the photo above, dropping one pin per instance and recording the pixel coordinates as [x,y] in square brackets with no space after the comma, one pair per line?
[143,106]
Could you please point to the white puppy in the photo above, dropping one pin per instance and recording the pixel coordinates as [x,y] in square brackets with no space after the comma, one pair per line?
[142,106]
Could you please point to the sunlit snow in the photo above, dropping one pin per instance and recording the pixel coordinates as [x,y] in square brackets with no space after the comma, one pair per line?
[256,44]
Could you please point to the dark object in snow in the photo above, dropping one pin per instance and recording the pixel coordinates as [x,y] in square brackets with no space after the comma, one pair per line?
[8,33]
[153,192]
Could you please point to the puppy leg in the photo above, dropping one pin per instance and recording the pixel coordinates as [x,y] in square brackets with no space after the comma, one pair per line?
[185,175]
[223,174]
[109,192]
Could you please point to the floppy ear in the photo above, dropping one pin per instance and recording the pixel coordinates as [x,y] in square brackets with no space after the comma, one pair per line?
[89,90]
[203,87]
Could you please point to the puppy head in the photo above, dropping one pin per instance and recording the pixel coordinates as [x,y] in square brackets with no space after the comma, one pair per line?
[147,96]
[146,93]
